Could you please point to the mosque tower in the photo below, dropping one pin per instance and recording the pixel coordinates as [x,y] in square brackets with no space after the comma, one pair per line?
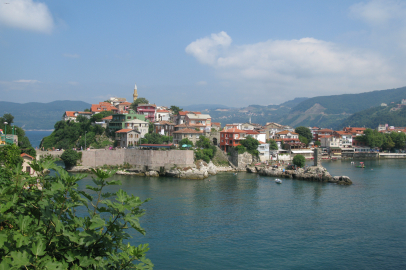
[135,95]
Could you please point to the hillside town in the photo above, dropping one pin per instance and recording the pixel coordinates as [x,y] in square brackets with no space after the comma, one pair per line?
[184,128]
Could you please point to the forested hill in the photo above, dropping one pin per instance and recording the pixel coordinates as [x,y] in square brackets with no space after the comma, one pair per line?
[372,117]
[35,115]
[352,103]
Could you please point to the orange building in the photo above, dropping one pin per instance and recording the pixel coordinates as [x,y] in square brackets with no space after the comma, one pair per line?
[231,138]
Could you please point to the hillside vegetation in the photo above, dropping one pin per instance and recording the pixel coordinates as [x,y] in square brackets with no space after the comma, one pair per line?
[352,103]
[372,117]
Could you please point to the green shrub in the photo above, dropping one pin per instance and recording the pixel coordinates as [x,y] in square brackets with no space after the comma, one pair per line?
[40,228]
[70,158]
[299,160]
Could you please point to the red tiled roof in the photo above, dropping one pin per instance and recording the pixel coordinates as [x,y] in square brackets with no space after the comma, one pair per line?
[70,114]
[261,142]
[251,132]
[286,132]
[162,111]
[216,124]
[125,130]
[164,123]
[186,130]
[182,125]
[183,113]
[26,155]
[125,103]
[325,130]
[233,130]
[108,118]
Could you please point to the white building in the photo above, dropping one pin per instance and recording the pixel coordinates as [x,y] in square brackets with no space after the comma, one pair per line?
[138,125]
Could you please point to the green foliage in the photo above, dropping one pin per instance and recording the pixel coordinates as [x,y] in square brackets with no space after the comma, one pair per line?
[175,109]
[140,100]
[240,149]
[299,160]
[7,118]
[318,143]
[251,145]
[206,151]
[303,140]
[40,227]
[70,134]
[70,158]
[272,144]
[151,128]
[304,132]
[99,116]
[185,141]
[375,139]
[10,156]
[30,151]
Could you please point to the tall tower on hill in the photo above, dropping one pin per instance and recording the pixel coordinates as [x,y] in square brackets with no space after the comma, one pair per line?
[135,95]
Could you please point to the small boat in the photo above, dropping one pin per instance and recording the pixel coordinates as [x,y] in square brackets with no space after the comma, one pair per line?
[278,181]
[361,165]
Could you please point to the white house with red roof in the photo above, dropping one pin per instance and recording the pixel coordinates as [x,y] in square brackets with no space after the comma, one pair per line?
[162,115]
[26,166]
[200,121]
[72,115]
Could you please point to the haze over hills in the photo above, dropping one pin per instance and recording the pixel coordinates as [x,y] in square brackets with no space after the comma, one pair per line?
[35,115]
[325,111]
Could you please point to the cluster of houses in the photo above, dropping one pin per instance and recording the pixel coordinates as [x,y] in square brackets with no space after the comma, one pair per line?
[130,126]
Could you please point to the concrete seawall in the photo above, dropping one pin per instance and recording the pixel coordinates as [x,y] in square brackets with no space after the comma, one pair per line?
[143,160]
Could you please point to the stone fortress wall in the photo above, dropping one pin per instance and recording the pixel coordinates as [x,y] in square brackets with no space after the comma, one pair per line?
[143,160]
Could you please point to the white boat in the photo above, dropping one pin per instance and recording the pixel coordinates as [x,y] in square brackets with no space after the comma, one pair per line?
[278,181]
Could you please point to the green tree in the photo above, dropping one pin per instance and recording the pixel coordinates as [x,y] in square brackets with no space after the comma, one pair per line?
[303,139]
[175,109]
[251,145]
[10,155]
[304,132]
[272,144]
[40,228]
[70,158]
[318,143]
[388,144]
[140,100]
[185,141]
[299,160]
[7,118]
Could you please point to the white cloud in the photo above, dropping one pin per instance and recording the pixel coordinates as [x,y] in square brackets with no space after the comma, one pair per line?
[202,83]
[378,12]
[73,83]
[71,55]
[26,14]
[27,81]
[303,67]
[206,49]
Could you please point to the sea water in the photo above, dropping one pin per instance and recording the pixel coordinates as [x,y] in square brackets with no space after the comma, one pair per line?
[36,137]
[246,221]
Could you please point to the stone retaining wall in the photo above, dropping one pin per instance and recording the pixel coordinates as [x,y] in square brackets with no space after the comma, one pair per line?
[140,159]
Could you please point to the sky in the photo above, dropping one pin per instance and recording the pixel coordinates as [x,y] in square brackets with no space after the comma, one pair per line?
[234,53]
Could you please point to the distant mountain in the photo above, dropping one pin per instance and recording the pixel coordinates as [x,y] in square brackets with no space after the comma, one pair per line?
[375,116]
[330,111]
[35,115]
[203,107]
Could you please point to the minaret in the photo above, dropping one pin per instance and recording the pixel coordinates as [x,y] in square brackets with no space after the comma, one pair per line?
[135,95]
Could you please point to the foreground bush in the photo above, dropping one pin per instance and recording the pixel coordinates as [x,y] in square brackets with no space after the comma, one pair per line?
[299,160]
[41,228]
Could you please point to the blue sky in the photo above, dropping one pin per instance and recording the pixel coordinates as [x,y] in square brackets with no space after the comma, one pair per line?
[234,53]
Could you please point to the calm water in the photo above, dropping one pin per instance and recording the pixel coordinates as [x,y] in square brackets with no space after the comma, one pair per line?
[249,222]
[35,137]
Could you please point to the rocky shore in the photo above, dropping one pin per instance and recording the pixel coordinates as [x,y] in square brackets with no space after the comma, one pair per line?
[202,170]
[312,173]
